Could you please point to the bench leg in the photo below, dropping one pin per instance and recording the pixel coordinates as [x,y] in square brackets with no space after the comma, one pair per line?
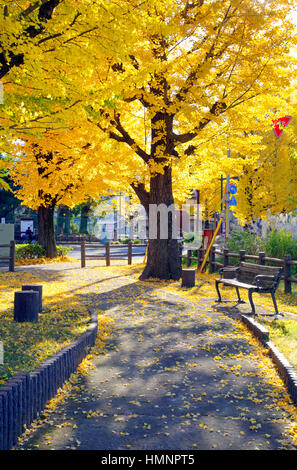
[275,305]
[218,291]
[251,302]
[238,295]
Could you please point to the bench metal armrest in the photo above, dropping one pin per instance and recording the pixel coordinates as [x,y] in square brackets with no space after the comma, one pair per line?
[263,277]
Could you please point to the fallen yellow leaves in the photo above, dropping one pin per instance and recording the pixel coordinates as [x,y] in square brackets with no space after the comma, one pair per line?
[33,261]
[223,365]
[64,317]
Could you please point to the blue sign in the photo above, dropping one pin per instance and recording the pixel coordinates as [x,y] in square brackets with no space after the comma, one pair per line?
[233,201]
[233,189]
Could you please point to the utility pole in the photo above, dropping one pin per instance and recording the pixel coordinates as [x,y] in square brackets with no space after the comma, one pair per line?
[222,179]
[225,195]
[196,229]
[227,202]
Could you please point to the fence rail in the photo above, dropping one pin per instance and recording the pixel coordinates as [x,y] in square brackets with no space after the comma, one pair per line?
[261,258]
[108,255]
[10,258]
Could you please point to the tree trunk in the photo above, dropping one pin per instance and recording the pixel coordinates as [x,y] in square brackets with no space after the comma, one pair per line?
[60,221]
[84,217]
[67,220]
[46,230]
[163,260]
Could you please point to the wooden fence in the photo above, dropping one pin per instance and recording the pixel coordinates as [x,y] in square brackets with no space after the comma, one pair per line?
[108,255]
[10,258]
[226,255]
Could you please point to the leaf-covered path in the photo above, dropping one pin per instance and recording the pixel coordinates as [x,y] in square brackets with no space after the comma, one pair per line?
[177,372]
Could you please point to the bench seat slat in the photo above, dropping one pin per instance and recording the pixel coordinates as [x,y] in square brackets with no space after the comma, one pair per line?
[233,282]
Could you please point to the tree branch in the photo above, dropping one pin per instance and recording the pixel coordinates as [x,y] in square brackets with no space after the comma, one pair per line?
[8,59]
[217,109]
[34,7]
[193,75]
[125,137]
[142,194]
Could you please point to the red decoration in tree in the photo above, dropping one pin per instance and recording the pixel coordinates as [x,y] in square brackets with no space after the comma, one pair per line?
[280,124]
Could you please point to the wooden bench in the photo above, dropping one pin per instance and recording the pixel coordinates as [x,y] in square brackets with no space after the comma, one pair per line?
[254,278]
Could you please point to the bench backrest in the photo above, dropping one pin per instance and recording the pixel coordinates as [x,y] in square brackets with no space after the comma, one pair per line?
[248,271]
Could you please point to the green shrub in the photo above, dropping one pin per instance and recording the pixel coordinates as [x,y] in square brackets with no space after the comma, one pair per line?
[63,250]
[280,243]
[249,242]
[276,244]
[125,240]
[29,251]
[32,251]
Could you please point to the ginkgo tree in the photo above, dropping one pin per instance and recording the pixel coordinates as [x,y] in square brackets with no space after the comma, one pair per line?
[198,71]
[49,172]
[165,86]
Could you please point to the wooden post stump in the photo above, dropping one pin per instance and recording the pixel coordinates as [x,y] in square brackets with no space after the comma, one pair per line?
[26,306]
[188,277]
[37,288]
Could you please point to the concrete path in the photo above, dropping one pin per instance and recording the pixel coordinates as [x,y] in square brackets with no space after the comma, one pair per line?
[178,373]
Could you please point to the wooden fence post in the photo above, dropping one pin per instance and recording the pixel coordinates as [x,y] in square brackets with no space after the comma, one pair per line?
[200,257]
[287,274]
[130,252]
[212,258]
[12,256]
[241,255]
[180,251]
[189,261]
[226,257]
[262,257]
[107,253]
[83,253]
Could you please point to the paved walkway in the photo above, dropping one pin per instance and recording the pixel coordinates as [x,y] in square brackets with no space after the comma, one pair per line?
[178,373]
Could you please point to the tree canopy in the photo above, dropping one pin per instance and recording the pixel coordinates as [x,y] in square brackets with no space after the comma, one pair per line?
[158,90]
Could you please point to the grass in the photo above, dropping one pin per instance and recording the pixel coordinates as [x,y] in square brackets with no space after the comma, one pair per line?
[293,285]
[27,344]
[64,316]
[283,333]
